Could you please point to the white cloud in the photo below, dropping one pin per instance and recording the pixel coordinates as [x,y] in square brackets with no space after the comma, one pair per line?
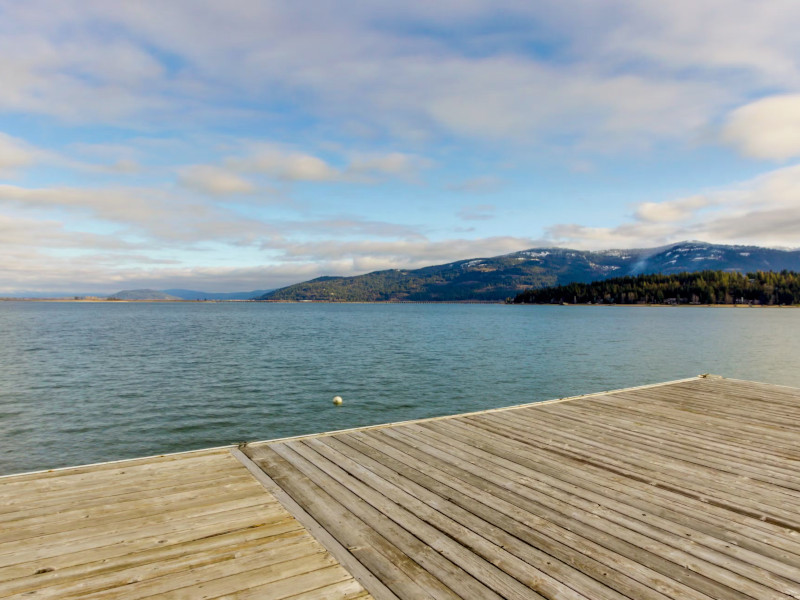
[768,128]
[23,233]
[349,227]
[620,71]
[287,165]
[394,164]
[119,158]
[672,211]
[209,179]
[762,211]
[127,206]
[628,235]
[303,167]
[740,42]
[405,254]
[15,154]
[159,215]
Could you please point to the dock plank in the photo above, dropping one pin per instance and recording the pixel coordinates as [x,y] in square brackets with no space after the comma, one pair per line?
[179,526]
[516,536]
[633,496]
[708,556]
[687,489]
[378,555]
[764,502]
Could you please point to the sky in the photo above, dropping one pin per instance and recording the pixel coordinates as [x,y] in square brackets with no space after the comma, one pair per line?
[240,145]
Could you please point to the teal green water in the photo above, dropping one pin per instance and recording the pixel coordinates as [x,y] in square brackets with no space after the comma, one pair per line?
[83,383]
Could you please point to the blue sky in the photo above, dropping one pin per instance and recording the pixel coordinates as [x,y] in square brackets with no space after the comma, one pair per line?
[250,144]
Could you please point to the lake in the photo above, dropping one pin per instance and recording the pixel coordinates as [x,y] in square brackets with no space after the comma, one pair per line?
[91,382]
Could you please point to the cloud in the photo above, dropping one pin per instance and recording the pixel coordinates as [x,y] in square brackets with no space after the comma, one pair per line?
[287,164]
[768,128]
[673,210]
[159,215]
[741,43]
[15,154]
[622,72]
[395,164]
[126,206]
[402,253]
[216,181]
[24,233]
[57,61]
[301,167]
[171,217]
[115,159]
[343,226]
[761,211]
[26,271]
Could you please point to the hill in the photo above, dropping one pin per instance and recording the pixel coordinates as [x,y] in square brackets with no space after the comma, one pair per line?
[142,295]
[704,287]
[198,295]
[501,277]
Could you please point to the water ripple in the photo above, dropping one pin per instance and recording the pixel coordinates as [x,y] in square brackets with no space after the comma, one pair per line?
[93,382]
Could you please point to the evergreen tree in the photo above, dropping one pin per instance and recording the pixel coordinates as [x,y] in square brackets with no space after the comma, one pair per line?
[704,287]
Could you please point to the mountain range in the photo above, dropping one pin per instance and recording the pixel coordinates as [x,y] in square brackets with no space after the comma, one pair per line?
[500,277]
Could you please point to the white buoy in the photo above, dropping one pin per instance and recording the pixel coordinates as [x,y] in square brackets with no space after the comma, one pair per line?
[337,400]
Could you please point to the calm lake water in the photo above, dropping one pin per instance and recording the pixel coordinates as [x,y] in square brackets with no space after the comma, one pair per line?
[83,383]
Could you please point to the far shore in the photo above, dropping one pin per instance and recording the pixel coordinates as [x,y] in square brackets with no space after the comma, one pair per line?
[112,301]
[678,305]
[94,300]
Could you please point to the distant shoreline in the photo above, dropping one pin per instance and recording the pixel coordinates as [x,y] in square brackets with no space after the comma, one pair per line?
[109,301]
[672,305]
[489,302]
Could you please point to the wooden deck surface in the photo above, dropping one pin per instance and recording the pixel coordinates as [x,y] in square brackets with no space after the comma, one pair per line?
[193,525]
[687,490]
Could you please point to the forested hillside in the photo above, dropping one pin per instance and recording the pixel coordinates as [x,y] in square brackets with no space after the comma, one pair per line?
[705,287]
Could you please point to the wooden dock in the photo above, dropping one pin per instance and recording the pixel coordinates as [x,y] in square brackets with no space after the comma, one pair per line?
[186,526]
[684,490]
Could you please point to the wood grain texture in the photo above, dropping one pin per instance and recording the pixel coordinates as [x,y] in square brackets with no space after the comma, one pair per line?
[689,489]
[197,525]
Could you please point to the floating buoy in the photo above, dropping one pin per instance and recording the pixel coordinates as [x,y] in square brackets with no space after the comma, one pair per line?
[337,400]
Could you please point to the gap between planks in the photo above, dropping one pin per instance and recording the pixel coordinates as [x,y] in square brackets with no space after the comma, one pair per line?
[352,565]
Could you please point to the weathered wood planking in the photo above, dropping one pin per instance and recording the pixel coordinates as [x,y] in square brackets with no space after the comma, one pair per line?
[192,525]
[688,490]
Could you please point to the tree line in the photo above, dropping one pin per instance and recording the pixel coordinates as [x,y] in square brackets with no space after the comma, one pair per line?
[703,287]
